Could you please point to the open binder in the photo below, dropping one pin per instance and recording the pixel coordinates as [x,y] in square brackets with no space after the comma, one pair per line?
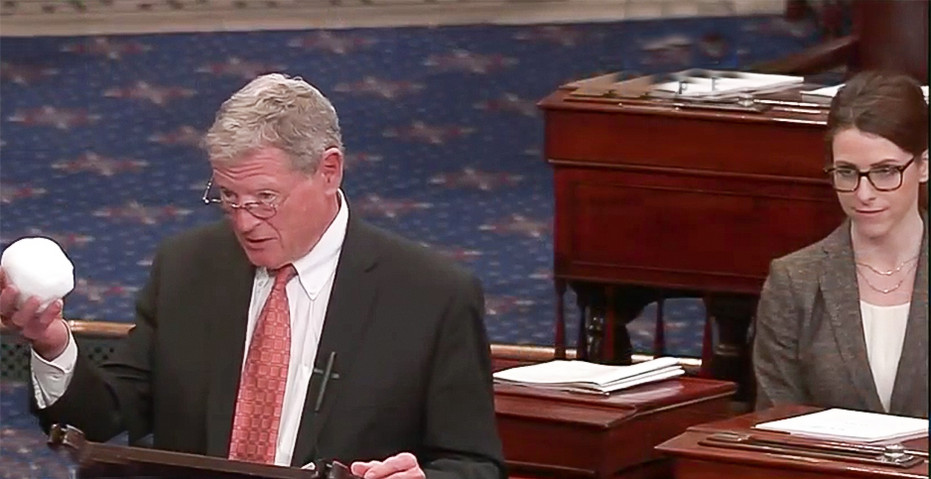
[97,460]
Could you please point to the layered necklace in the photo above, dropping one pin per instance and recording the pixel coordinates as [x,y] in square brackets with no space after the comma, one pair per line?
[909,262]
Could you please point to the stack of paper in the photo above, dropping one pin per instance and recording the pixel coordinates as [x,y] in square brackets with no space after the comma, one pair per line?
[825,94]
[582,376]
[713,84]
[853,426]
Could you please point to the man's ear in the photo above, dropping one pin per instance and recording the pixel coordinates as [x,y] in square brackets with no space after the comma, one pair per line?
[331,168]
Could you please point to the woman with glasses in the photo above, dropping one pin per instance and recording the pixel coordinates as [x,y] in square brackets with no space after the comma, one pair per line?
[844,322]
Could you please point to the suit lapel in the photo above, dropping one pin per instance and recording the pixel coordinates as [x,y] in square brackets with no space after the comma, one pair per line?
[915,346]
[233,278]
[348,313]
[842,304]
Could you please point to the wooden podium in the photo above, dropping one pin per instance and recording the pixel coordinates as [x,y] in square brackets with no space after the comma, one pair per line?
[694,459]
[98,460]
[659,200]
[572,435]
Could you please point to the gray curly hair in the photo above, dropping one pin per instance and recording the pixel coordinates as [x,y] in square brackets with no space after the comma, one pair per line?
[275,110]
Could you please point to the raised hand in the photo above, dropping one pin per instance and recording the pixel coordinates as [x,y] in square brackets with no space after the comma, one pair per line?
[45,330]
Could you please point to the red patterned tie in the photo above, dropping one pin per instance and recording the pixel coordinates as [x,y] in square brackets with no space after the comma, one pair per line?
[261,388]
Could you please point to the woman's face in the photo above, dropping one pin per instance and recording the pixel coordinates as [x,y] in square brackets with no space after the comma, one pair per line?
[875,213]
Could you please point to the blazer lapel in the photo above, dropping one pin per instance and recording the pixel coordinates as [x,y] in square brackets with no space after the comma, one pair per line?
[234,277]
[348,313]
[842,304]
[915,347]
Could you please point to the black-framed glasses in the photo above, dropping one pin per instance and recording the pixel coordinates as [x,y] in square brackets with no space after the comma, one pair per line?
[883,178]
[262,209]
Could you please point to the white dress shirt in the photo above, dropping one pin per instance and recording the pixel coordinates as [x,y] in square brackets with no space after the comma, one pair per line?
[308,298]
[884,331]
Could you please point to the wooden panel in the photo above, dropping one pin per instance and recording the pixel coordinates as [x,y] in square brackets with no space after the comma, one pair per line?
[892,36]
[559,434]
[740,143]
[683,198]
[692,469]
[694,461]
[681,229]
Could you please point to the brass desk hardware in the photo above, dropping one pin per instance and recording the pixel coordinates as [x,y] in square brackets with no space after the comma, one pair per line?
[894,455]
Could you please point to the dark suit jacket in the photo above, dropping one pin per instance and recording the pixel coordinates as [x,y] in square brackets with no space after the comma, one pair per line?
[809,346]
[410,344]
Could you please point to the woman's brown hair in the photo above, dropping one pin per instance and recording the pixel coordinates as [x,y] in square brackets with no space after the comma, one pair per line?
[887,104]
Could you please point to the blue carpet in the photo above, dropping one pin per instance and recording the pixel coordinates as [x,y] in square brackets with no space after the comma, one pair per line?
[23,453]
[443,140]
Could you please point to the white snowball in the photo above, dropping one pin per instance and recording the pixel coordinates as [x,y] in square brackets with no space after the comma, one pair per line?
[38,267]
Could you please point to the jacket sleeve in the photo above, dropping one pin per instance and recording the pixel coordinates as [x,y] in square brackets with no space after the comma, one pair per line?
[104,401]
[775,344]
[460,433]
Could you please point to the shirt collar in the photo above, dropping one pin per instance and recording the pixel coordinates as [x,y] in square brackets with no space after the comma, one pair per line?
[317,266]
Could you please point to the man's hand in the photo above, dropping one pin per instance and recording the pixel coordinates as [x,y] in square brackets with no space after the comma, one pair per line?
[46,330]
[400,466]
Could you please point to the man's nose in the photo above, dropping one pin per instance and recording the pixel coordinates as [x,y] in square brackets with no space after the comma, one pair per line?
[243,220]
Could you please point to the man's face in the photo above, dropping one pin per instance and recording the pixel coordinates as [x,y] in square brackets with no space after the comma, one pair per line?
[305,203]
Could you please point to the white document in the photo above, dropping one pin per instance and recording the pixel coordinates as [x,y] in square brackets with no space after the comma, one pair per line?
[591,377]
[853,426]
[652,377]
[694,86]
[827,91]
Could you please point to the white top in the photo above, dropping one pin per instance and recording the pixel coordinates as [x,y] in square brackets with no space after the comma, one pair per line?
[884,330]
[308,300]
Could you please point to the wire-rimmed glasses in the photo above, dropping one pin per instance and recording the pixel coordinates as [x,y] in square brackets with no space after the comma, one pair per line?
[262,209]
[846,179]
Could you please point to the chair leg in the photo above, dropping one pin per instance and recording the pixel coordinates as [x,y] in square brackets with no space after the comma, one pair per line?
[659,335]
[707,344]
[560,334]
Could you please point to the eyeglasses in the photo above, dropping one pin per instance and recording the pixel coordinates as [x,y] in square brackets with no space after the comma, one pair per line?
[262,209]
[883,178]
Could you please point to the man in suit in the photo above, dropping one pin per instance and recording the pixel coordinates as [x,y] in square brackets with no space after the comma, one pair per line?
[289,331]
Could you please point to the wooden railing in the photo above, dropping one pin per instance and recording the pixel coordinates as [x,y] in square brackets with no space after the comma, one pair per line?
[92,329]
[505,355]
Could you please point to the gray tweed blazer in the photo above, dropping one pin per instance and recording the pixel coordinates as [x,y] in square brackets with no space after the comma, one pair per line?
[809,346]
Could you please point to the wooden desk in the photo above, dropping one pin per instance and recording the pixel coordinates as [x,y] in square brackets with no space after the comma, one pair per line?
[558,434]
[694,461]
[656,201]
